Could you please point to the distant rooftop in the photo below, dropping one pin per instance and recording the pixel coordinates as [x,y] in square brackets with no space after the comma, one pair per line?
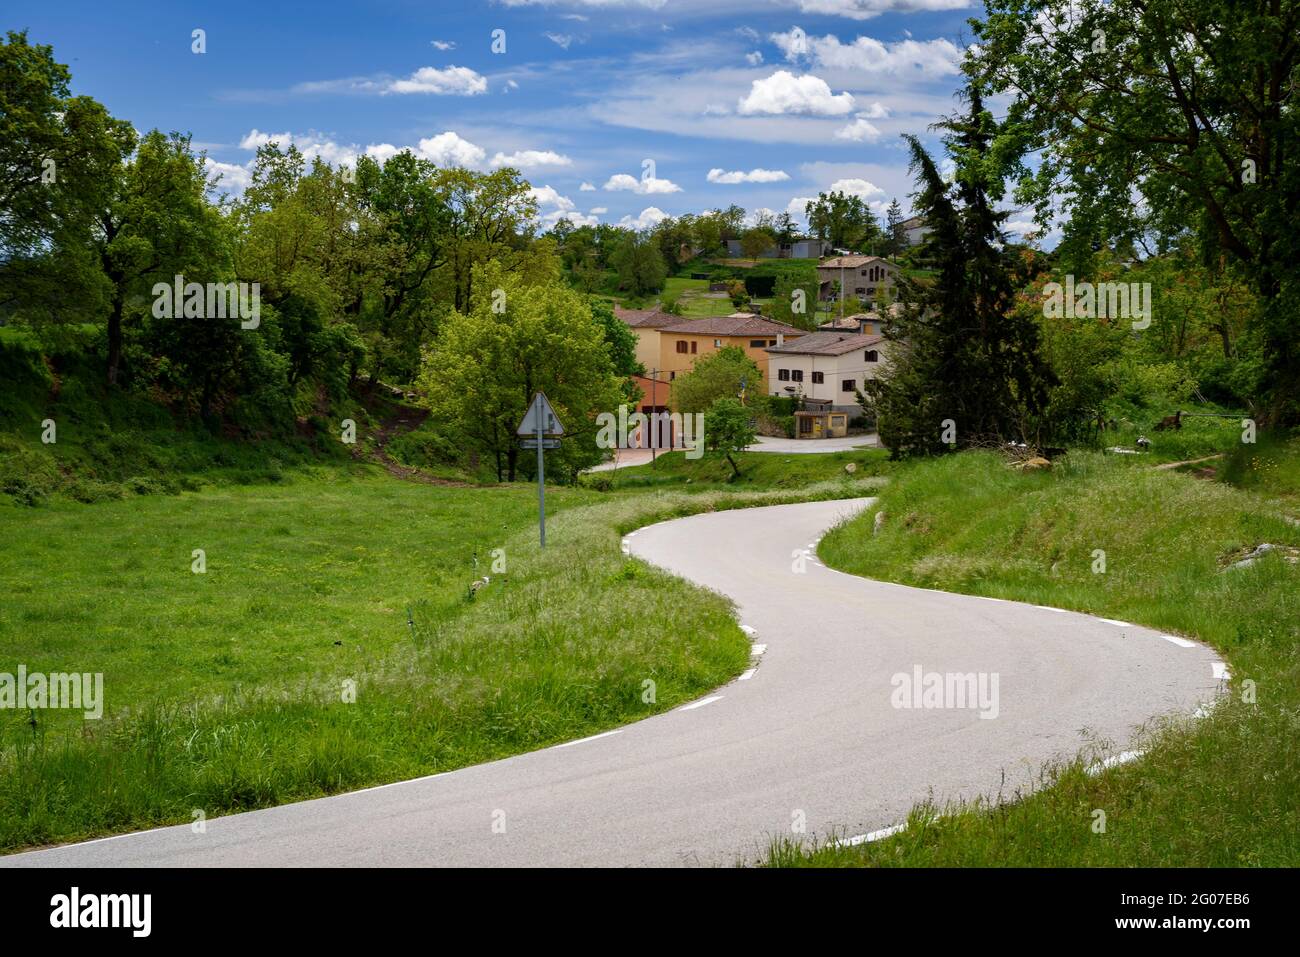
[826,344]
[736,324]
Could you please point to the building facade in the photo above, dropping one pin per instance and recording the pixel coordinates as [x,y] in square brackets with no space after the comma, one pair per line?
[860,278]
[827,366]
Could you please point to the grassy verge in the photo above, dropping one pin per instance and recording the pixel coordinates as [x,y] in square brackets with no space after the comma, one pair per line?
[228,691]
[758,470]
[1218,792]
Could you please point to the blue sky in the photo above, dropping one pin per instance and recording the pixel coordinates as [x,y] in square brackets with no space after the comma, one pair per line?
[758,102]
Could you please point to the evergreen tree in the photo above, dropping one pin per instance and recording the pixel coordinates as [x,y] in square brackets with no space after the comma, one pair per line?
[965,366]
[895,238]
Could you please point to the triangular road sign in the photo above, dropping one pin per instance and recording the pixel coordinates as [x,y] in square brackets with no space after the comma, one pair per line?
[540,417]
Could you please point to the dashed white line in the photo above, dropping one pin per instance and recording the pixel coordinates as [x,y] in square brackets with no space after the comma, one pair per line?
[1112,621]
[747,675]
[883,833]
[603,734]
[748,630]
[757,649]
[701,703]
[1114,760]
[1180,642]
[1221,672]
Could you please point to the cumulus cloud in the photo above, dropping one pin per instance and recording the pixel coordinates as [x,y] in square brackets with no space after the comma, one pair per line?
[783,92]
[587,188]
[598,210]
[548,196]
[859,131]
[643,185]
[448,81]
[753,176]
[799,205]
[650,217]
[856,187]
[234,178]
[450,149]
[755,58]
[928,58]
[443,44]
[531,159]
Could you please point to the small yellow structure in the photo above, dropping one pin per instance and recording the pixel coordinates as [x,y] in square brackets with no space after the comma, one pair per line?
[818,421]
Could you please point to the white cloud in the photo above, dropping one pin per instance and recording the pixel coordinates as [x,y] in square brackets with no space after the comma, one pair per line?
[548,196]
[753,176]
[650,217]
[598,210]
[531,159]
[449,81]
[755,58]
[783,92]
[449,149]
[866,9]
[876,111]
[562,40]
[928,58]
[856,187]
[234,178]
[587,188]
[860,130]
[798,205]
[381,153]
[444,44]
[644,185]
[311,145]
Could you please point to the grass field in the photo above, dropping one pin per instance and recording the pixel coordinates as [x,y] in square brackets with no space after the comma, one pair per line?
[758,470]
[1221,791]
[226,691]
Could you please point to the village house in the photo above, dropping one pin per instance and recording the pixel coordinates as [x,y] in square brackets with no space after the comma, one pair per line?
[914,230]
[646,323]
[826,366]
[799,249]
[859,277]
[684,342]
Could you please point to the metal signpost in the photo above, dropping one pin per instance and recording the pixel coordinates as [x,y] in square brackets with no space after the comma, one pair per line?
[540,422]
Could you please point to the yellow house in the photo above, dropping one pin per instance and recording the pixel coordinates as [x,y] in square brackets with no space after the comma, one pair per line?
[686,340]
[646,323]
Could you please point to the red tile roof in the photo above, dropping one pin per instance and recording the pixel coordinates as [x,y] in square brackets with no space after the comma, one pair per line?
[736,324]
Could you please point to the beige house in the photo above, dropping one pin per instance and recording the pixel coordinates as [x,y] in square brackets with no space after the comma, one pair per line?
[827,366]
[646,323]
[859,277]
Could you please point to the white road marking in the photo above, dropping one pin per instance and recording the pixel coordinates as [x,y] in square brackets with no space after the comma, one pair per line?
[748,630]
[1180,642]
[883,833]
[1221,672]
[1061,611]
[757,649]
[747,675]
[604,734]
[701,703]
[1114,761]
[1112,621]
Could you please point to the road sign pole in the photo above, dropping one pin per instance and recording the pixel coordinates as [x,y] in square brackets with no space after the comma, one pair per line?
[541,483]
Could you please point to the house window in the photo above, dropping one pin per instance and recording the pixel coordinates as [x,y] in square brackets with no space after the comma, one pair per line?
[693,346]
[783,375]
[757,343]
[681,345]
[819,378]
[796,375]
[672,376]
[871,355]
[864,272]
[717,343]
[771,342]
[846,385]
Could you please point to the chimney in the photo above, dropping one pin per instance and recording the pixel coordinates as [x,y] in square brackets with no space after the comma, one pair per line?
[780,338]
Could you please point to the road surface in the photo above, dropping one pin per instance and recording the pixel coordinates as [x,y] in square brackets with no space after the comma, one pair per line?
[810,736]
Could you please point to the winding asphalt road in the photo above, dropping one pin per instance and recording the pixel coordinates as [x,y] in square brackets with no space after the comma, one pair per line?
[810,735]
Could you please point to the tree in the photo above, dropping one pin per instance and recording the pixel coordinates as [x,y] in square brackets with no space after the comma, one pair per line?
[965,365]
[1188,105]
[619,338]
[895,235]
[843,220]
[729,429]
[795,301]
[479,376]
[754,242]
[640,265]
[722,374]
